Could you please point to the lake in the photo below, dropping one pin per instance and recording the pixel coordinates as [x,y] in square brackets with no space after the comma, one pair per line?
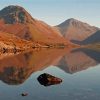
[79,70]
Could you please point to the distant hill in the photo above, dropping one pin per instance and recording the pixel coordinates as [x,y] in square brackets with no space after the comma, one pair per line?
[73,29]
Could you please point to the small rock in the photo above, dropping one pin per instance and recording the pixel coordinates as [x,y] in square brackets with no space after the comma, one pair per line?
[24,94]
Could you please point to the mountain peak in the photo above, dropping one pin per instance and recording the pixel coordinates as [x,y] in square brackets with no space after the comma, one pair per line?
[71,19]
[13,7]
[70,22]
[14,14]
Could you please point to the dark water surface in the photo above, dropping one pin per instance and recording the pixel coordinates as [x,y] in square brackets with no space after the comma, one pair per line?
[79,70]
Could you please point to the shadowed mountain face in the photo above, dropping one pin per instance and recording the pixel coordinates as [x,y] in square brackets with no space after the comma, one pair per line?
[16,20]
[73,29]
[95,38]
[15,69]
[14,14]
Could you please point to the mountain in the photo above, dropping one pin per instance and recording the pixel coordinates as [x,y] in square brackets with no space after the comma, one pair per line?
[16,20]
[73,29]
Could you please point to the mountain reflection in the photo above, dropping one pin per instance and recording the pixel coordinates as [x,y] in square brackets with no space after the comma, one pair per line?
[16,69]
[78,60]
[93,54]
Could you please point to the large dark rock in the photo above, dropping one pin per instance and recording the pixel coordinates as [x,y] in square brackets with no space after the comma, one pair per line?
[47,79]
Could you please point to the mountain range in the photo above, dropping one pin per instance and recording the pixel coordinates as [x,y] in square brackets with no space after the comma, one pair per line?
[16,21]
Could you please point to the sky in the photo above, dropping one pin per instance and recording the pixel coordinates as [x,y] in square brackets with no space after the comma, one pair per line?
[54,12]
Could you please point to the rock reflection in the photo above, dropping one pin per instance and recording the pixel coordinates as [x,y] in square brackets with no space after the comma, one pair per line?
[48,80]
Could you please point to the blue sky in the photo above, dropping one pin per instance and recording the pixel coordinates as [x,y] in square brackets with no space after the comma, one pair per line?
[54,12]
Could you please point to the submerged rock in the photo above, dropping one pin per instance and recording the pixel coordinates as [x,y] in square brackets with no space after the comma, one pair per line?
[47,79]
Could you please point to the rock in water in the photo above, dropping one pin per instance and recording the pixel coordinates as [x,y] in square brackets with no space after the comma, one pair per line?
[47,79]
[24,94]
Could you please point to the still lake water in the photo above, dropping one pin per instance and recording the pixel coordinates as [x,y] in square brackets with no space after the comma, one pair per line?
[79,69]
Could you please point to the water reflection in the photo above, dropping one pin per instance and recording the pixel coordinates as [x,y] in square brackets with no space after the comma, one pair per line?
[78,60]
[91,53]
[19,74]
[16,69]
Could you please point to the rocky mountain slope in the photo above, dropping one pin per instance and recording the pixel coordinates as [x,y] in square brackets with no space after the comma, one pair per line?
[11,42]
